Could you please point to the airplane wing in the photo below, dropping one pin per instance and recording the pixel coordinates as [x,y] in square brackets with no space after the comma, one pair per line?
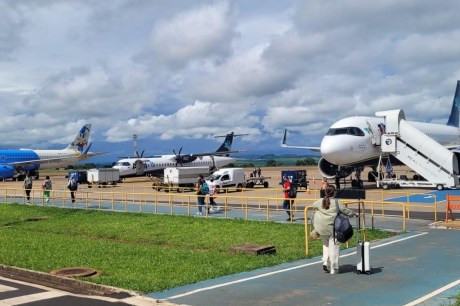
[216,153]
[284,145]
[40,161]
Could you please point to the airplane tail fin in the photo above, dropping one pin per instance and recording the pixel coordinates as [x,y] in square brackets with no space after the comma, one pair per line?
[454,113]
[227,145]
[81,141]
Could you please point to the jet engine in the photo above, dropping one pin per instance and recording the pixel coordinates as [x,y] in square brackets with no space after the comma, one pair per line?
[330,170]
[7,172]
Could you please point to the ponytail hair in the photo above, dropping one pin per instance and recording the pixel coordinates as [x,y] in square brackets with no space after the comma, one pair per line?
[329,193]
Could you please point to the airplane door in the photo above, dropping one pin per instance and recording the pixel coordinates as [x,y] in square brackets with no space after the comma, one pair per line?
[139,167]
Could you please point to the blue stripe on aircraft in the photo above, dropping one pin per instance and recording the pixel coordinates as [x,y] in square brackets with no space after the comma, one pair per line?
[13,156]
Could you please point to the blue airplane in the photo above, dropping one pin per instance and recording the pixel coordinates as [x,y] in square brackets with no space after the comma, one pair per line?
[17,163]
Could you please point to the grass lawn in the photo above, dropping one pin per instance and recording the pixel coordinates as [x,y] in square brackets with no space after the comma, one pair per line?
[143,252]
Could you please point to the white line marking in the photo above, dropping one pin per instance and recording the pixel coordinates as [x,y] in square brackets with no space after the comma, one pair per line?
[434,293]
[32,298]
[276,272]
[4,288]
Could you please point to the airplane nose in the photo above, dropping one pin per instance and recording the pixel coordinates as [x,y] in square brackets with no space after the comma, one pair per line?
[332,150]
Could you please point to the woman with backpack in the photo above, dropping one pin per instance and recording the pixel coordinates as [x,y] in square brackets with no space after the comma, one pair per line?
[28,187]
[323,222]
[47,186]
[201,191]
[72,185]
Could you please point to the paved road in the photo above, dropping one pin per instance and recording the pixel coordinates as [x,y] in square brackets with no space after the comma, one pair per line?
[405,270]
[14,292]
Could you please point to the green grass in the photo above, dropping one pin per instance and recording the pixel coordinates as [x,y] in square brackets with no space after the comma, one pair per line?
[143,252]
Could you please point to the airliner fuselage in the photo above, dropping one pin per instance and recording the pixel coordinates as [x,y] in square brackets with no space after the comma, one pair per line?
[355,141]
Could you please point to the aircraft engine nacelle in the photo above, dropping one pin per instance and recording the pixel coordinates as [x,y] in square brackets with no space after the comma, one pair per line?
[329,170]
[7,172]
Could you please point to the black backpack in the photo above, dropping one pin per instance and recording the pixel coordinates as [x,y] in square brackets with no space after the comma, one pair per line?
[343,230]
[293,191]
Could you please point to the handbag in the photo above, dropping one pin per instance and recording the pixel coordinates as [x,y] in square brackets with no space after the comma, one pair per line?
[343,230]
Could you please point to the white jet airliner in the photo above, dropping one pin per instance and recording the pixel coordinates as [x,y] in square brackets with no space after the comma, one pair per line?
[355,141]
[17,163]
[154,165]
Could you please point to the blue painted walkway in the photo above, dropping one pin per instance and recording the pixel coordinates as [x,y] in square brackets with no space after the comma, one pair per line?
[429,196]
[405,269]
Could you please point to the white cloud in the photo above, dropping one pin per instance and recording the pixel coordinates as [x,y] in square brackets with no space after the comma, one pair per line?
[190,69]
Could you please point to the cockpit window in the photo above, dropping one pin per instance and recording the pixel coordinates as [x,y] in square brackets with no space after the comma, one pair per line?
[353,131]
[122,164]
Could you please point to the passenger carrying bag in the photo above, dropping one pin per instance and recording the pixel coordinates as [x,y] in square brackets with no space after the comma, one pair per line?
[293,191]
[343,230]
[204,188]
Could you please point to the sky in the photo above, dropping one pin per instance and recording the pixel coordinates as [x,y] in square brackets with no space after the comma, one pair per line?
[177,73]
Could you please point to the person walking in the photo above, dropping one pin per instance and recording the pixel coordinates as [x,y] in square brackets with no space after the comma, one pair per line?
[324,183]
[47,185]
[288,201]
[212,194]
[323,222]
[28,187]
[72,185]
[201,194]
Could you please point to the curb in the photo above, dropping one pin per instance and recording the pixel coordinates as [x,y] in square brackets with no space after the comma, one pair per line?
[63,283]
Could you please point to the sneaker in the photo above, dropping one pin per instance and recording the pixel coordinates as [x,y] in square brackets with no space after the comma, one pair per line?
[210,211]
[217,208]
[47,200]
[325,269]
[199,213]
[334,271]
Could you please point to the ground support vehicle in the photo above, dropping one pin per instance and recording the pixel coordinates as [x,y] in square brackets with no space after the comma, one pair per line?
[253,181]
[80,175]
[297,177]
[181,177]
[102,177]
[393,183]
[227,178]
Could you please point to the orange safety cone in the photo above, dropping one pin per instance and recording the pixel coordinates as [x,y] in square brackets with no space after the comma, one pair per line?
[308,190]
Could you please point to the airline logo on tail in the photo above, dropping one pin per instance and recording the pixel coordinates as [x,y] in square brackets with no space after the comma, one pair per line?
[80,142]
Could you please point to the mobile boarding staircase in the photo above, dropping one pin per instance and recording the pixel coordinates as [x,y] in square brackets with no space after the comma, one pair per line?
[418,151]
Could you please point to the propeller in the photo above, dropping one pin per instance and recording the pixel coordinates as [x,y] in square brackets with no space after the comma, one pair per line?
[178,157]
[137,154]
[183,159]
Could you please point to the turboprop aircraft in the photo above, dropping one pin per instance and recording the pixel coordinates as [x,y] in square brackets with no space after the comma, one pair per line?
[354,142]
[154,165]
[17,163]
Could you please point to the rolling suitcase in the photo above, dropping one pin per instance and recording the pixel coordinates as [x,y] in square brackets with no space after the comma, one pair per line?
[362,250]
[363,265]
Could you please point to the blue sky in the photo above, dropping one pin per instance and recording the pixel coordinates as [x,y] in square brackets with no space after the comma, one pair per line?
[179,72]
